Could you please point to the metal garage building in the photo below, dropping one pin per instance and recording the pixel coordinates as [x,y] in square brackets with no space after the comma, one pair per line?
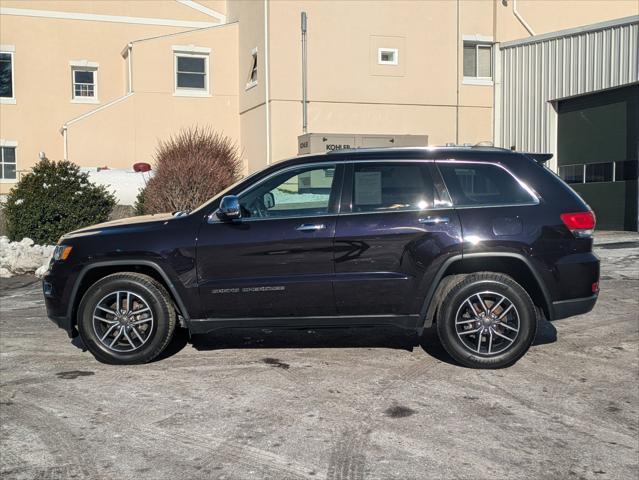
[575,93]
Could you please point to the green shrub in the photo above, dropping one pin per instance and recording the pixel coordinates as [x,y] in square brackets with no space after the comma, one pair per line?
[53,199]
[138,206]
[190,168]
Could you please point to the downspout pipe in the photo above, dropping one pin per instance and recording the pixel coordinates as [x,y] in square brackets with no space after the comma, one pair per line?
[266,85]
[521,19]
[304,75]
[63,131]
[129,66]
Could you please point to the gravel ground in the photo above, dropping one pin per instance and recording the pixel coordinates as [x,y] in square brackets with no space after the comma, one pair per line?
[337,404]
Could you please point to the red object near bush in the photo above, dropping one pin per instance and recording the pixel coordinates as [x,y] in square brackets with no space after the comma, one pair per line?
[141,167]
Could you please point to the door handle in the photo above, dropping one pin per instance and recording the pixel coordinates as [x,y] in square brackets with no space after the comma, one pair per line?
[434,220]
[310,227]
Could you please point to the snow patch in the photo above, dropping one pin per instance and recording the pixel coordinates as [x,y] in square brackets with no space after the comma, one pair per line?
[24,257]
[124,184]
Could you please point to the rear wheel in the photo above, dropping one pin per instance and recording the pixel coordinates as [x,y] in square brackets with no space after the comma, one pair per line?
[487,321]
[126,318]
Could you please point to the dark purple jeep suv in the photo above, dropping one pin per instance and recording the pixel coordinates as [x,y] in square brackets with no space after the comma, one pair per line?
[481,242]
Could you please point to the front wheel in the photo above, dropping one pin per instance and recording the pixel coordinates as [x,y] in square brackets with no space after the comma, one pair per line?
[487,321]
[126,318]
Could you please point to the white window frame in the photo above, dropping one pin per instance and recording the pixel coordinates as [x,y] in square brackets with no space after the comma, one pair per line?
[84,66]
[382,50]
[11,50]
[191,51]
[11,144]
[254,59]
[479,41]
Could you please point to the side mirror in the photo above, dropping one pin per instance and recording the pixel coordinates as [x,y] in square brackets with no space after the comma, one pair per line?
[229,208]
[268,200]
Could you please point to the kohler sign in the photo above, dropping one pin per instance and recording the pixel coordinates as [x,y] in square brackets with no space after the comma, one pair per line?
[330,142]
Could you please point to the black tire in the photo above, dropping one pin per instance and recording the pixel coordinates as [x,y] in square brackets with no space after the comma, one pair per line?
[156,338]
[455,301]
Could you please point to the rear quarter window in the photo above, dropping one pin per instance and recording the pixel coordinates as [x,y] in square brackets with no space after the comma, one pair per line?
[482,184]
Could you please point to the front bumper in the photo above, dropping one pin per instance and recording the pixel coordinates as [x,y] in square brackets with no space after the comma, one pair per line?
[55,289]
[574,306]
[65,324]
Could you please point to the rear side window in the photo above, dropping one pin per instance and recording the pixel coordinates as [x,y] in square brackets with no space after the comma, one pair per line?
[391,187]
[479,184]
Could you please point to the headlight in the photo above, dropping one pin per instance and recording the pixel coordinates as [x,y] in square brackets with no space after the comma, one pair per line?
[62,252]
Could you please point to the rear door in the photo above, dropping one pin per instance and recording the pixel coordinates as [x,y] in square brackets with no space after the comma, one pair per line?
[395,230]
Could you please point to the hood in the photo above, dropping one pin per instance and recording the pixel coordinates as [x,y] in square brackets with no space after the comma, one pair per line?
[121,224]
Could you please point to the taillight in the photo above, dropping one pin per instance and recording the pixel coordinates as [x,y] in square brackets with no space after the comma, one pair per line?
[581,224]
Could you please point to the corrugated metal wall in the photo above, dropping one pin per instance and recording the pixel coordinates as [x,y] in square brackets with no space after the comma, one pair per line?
[537,70]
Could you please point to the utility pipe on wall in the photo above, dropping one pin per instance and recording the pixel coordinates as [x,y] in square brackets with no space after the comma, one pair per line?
[266,86]
[304,69]
[129,66]
[521,19]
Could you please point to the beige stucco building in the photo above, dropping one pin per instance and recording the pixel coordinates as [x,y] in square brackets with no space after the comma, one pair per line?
[100,82]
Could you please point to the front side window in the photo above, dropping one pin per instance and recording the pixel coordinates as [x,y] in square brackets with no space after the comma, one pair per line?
[482,184]
[478,60]
[391,187]
[6,75]
[8,163]
[303,192]
[85,84]
[191,73]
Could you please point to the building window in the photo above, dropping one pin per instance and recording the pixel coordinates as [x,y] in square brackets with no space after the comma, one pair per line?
[7,91]
[478,62]
[84,81]
[572,173]
[252,78]
[626,170]
[85,84]
[191,70]
[599,172]
[8,163]
[387,56]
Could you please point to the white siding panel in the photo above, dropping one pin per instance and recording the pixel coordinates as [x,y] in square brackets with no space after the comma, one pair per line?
[537,71]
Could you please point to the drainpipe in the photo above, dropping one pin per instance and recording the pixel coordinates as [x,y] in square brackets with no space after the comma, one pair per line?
[63,131]
[266,86]
[304,81]
[521,19]
[129,66]
[457,76]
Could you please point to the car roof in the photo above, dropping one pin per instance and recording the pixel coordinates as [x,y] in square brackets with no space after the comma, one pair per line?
[399,153]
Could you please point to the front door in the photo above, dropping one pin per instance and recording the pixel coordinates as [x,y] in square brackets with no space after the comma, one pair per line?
[277,261]
[396,229]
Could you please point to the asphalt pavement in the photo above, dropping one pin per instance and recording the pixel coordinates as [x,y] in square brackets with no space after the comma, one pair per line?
[326,404]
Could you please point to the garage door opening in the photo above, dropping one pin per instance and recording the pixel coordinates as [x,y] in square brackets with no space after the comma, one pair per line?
[597,146]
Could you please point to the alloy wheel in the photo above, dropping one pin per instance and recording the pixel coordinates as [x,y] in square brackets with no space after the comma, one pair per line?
[487,323]
[123,321]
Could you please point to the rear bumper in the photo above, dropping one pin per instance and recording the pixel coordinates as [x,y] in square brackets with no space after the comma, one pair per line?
[572,307]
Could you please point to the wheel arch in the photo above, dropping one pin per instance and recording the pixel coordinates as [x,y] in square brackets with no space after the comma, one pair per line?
[512,264]
[95,271]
